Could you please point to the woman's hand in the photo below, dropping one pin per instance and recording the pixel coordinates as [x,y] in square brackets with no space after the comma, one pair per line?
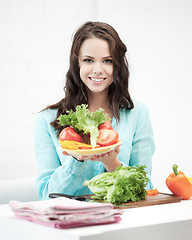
[109,159]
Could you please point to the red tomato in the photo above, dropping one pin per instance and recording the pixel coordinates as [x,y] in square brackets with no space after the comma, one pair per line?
[69,133]
[107,137]
[105,125]
[98,146]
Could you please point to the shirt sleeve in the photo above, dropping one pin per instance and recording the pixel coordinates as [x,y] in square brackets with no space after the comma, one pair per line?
[143,144]
[54,176]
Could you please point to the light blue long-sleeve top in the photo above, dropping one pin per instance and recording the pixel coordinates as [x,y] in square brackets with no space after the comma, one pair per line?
[58,173]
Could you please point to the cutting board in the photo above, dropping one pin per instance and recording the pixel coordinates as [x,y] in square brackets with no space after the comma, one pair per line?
[161,198]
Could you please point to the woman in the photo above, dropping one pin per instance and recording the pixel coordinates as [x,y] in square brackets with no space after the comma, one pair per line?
[98,76]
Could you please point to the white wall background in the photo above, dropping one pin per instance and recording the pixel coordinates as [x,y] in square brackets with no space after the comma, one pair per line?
[35,39]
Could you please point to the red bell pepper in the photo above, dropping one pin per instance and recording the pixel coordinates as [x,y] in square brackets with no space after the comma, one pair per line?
[179,184]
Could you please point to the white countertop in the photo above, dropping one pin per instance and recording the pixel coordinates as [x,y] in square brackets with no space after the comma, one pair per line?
[166,221]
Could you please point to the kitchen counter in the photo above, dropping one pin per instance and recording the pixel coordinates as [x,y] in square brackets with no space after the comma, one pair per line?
[165,221]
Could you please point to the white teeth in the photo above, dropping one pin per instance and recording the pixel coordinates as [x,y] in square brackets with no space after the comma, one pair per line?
[97,79]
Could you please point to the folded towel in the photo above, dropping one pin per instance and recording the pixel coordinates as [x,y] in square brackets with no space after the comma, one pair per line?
[66,213]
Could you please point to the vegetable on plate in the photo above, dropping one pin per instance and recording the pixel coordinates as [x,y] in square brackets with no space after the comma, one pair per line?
[107,137]
[105,125]
[74,145]
[179,184]
[90,128]
[69,133]
[120,186]
[190,179]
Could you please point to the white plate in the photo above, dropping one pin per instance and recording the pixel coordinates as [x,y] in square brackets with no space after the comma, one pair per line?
[88,152]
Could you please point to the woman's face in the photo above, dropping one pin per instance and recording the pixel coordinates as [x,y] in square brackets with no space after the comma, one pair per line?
[96,65]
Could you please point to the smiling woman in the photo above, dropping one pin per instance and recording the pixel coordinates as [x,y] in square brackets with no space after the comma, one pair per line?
[98,77]
[96,66]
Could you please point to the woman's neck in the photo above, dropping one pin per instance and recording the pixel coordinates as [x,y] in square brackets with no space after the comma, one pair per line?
[99,100]
[96,101]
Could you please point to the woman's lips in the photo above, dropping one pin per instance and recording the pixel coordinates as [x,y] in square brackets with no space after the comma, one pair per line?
[97,80]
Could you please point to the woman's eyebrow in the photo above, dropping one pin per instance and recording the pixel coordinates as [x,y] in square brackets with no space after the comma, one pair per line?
[87,56]
[108,57]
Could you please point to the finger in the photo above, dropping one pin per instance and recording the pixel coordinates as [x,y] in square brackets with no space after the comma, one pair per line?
[111,152]
[117,149]
[65,153]
[78,157]
[94,159]
[86,158]
[104,154]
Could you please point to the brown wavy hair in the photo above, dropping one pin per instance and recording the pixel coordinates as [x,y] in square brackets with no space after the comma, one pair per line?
[75,89]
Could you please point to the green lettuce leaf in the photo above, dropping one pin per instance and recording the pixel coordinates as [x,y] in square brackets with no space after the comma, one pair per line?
[82,120]
[122,185]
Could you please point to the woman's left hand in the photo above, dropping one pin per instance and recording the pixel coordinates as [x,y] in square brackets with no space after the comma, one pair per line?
[106,156]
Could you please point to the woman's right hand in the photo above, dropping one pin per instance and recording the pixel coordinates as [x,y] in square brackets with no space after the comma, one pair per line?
[109,159]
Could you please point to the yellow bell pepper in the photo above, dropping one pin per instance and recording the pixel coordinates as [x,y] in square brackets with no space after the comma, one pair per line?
[72,145]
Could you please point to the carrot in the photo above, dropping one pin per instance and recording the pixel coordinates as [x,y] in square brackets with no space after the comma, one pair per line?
[84,147]
[152,192]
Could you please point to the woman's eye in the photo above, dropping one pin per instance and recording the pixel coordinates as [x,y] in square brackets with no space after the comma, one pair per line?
[108,61]
[88,60]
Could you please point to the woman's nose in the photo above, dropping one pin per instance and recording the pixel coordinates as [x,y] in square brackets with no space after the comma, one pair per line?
[97,68]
